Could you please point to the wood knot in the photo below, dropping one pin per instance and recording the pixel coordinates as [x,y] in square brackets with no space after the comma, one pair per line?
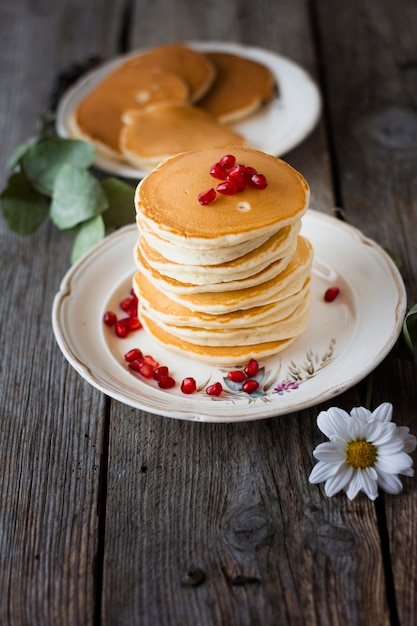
[249,528]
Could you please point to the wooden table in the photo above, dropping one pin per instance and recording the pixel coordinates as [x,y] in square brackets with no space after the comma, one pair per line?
[110,515]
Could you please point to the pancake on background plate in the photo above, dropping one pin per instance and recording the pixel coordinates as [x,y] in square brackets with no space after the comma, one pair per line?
[252,305]
[153,135]
[241,87]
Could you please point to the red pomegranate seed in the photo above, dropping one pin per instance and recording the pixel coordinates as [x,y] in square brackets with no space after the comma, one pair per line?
[151,361]
[238,180]
[133,355]
[237,376]
[249,171]
[128,303]
[214,390]
[121,328]
[228,188]
[252,368]
[160,371]
[217,171]
[188,385]
[133,323]
[227,161]
[205,197]
[166,382]
[135,365]
[143,368]
[259,181]
[331,293]
[109,318]
[249,386]
[237,170]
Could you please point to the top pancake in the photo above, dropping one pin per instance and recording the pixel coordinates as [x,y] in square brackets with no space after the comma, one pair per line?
[167,200]
[193,66]
[240,88]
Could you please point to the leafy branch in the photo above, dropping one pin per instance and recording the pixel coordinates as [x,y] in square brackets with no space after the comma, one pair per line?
[50,177]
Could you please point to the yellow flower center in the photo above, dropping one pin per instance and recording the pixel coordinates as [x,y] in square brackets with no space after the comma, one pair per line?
[361,454]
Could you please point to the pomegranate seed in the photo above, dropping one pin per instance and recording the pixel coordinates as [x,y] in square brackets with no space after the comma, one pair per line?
[237,170]
[135,365]
[205,197]
[188,385]
[109,318]
[259,181]
[249,171]
[252,368]
[133,323]
[228,188]
[217,171]
[143,368]
[237,376]
[160,371]
[227,161]
[121,328]
[331,293]
[166,382]
[237,180]
[133,355]
[127,304]
[151,361]
[249,386]
[214,390]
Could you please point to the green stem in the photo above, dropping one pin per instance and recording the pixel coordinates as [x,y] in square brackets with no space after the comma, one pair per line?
[369,385]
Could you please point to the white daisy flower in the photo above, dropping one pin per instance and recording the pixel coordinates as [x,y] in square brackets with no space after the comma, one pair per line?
[366,451]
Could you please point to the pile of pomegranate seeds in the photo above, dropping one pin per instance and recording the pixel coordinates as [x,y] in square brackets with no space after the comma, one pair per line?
[331,293]
[235,177]
[127,324]
[246,376]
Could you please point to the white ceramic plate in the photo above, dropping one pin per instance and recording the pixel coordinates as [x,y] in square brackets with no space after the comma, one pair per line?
[345,340]
[278,128]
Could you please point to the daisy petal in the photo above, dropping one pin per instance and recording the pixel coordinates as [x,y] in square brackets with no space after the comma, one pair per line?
[390,483]
[330,451]
[369,484]
[322,471]
[382,433]
[390,447]
[354,487]
[394,464]
[409,440]
[333,422]
[383,413]
[338,481]
[360,413]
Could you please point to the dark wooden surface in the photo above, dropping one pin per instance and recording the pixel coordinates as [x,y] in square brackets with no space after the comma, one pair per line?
[106,511]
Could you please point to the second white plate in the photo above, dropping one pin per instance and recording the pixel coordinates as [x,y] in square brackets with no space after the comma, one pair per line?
[275,129]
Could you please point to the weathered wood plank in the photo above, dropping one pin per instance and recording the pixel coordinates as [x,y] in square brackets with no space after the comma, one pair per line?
[374,122]
[51,421]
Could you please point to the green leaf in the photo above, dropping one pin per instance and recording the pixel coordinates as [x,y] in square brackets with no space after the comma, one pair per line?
[23,208]
[20,152]
[77,197]
[410,330]
[120,196]
[43,161]
[89,234]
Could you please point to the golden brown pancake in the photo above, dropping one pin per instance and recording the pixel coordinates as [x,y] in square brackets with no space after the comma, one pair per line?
[167,200]
[194,67]
[150,136]
[98,118]
[241,87]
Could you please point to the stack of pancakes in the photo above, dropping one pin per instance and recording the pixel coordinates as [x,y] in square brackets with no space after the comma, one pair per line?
[170,99]
[229,281]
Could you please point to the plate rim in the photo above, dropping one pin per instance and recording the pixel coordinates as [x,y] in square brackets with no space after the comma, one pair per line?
[206,416]
[126,170]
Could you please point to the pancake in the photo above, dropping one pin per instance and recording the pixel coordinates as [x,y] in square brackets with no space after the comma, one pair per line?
[151,136]
[161,307]
[226,356]
[167,201]
[274,249]
[196,69]
[98,117]
[241,87]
